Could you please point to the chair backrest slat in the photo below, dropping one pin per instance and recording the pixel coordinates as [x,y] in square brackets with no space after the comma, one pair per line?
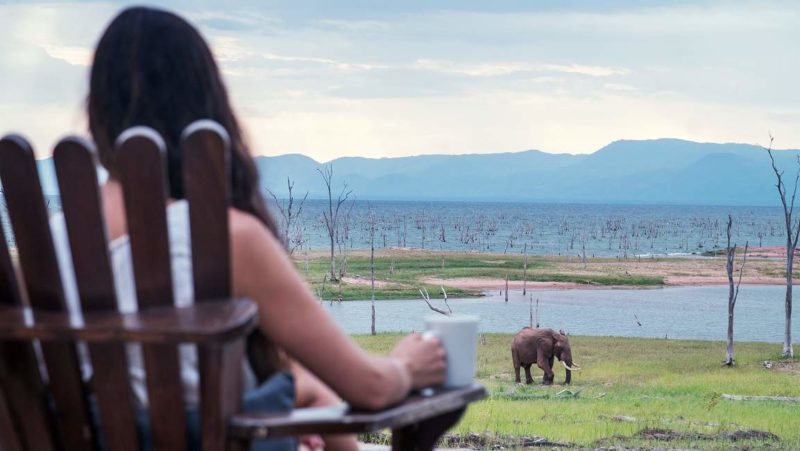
[142,162]
[32,419]
[9,439]
[25,397]
[9,288]
[24,401]
[28,214]
[80,200]
[206,175]
[220,391]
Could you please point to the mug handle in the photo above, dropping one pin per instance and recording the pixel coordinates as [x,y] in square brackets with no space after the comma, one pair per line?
[429,335]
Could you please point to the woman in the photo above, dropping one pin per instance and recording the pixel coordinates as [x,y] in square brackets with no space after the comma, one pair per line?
[152,68]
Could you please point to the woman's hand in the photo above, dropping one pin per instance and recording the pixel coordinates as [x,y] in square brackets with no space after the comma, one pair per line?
[424,359]
[311,443]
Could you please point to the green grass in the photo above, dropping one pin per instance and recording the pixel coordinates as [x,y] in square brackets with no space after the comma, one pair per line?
[405,280]
[633,280]
[663,384]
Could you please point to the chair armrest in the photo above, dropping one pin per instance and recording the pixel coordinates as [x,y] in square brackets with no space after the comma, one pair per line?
[204,322]
[341,420]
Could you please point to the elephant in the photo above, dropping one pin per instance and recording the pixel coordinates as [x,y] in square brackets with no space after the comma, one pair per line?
[539,346]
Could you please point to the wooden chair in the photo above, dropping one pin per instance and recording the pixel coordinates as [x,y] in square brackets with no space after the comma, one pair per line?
[55,412]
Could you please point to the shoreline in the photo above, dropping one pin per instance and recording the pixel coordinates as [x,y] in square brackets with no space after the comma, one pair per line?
[478,283]
[402,273]
[764,252]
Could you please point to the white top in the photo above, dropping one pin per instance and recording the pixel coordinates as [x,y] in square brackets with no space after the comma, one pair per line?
[122,269]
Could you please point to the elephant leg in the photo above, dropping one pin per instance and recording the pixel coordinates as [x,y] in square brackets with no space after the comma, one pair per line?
[543,363]
[528,378]
[515,360]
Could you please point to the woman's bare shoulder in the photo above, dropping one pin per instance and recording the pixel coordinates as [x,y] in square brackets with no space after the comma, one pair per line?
[248,234]
[241,222]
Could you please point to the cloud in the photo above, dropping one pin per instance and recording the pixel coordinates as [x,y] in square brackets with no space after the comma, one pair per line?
[620,87]
[378,79]
[496,121]
[495,69]
[77,56]
[341,65]
[594,71]
[358,26]
[243,20]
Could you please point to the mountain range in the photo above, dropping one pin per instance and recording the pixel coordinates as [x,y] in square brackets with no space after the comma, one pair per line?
[659,171]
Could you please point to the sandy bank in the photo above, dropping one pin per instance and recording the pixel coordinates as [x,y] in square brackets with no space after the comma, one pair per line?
[687,281]
[483,283]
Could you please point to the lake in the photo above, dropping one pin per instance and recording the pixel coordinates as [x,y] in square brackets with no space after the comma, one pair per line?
[547,229]
[674,312]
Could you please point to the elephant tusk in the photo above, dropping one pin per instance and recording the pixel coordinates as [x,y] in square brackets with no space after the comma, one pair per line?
[569,367]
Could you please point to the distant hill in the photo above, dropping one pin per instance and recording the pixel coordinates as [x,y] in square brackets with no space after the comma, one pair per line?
[651,171]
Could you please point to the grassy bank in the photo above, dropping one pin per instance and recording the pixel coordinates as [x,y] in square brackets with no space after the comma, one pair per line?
[400,274]
[630,385]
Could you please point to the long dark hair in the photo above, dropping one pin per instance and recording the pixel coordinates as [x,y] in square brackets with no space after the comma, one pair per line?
[153,68]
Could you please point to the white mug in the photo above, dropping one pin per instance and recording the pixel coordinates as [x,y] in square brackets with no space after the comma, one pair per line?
[459,337]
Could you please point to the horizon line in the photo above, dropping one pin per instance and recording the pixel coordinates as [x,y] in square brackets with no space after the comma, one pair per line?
[503,152]
[523,151]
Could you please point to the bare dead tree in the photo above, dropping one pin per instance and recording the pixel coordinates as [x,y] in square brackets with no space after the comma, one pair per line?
[583,238]
[733,291]
[321,292]
[342,235]
[331,215]
[405,231]
[298,238]
[525,269]
[445,299]
[510,241]
[289,216]
[371,221]
[427,298]
[530,311]
[306,257]
[506,287]
[442,239]
[792,233]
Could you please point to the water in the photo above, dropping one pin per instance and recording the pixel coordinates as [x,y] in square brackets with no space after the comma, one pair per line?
[547,229]
[675,312]
[558,229]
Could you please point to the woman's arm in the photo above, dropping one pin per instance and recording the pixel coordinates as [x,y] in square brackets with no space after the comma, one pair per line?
[295,320]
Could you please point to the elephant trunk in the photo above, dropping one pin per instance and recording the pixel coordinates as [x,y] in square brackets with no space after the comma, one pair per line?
[566,360]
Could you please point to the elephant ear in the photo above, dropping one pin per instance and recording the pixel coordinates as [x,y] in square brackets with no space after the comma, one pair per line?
[557,349]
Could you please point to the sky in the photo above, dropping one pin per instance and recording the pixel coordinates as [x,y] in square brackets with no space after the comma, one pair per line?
[385,79]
